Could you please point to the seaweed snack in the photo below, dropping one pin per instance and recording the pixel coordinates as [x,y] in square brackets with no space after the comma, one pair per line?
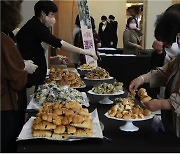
[51,92]
[105,88]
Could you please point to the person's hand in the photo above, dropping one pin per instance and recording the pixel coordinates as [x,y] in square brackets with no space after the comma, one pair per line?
[111,43]
[158,104]
[135,84]
[92,54]
[139,47]
[158,46]
[29,66]
[153,105]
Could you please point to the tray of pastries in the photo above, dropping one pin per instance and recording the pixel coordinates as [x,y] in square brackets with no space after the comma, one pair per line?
[98,74]
[65,77]
[62,121]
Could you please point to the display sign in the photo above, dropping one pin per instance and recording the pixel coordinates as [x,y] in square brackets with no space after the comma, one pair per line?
[86,29]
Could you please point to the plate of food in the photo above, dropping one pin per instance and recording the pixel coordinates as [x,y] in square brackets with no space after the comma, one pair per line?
[106,90]
[127,111]
[98,74]
[86,67]
[113,94]
[101,79]
[65,121]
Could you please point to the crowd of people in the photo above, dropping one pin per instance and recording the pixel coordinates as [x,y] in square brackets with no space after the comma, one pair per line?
[23,63]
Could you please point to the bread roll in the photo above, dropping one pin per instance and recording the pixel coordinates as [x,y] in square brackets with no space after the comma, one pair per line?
[145,99]
[44,125]
[141,91]
[60,129]
[41,133]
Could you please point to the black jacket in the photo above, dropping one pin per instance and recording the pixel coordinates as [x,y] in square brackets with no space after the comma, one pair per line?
[29,40]
[106,36]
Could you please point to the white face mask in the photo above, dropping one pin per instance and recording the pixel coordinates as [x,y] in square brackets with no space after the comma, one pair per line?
[174,50]
[132,25]
[50,21]
[104,22]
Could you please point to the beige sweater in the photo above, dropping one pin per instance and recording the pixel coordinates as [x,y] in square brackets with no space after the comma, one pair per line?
[160,77]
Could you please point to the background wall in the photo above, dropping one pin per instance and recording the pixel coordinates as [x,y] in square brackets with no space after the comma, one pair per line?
[153,8]
[114,7]
[27,11]
[68,10]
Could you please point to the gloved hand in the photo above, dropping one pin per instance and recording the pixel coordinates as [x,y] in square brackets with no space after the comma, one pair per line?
[29,66]
[92,54]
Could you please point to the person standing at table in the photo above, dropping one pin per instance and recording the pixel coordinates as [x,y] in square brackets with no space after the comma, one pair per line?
[132,37]
[74,57]
[105,33]
[35,34]
[78,41]
[161,54]
[115,26]
[168,75]
[13,75]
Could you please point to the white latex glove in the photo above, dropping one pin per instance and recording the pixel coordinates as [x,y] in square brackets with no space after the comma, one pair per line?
[90,53]
[29,66]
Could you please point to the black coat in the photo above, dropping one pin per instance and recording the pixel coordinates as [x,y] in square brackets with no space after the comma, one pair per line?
[106,36]
[115,37]
[29,40]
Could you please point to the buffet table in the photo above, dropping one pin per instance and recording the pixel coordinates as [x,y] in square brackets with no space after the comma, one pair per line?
[146,139]
[125,68]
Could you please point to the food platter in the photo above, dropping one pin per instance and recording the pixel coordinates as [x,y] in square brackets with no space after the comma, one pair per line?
[109,78]
[106,99]
[83,86]
[114,94]
[26,132]
[83,69]
[129,126]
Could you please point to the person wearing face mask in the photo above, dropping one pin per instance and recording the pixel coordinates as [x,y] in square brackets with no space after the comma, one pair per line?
[132,38]
[105,33]
[161,54]
[32,37]
[167,31]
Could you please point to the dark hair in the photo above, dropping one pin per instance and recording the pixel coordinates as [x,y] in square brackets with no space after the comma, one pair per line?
[111,17]
[129,20]
[77,22]
[173,7]
[103,18]
[10,15]
[168,26]
[46,6]
[93,23]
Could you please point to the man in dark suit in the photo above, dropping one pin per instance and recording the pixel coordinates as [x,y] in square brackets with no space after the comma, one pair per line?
[115,26]
[105,32]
